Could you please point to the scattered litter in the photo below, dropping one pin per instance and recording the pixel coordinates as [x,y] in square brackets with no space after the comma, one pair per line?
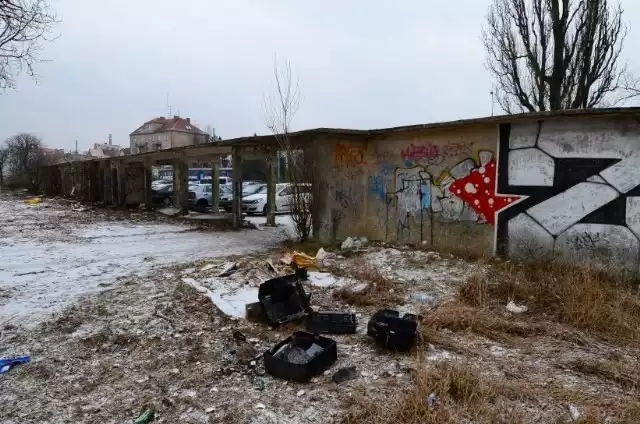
[302,260]
[344,374]
[354,243]
[228,269]
[33,201]
[301,356]
[258,382]
[210,409]
[332,322]
[271,266]
[7,363]
[81,209]
[146,417]
[432,256]
[283,299]
[259,406]
[207,267]
[424,298]
[300,393]
[431,400]
[195,284]
[575,414]
[391,331]
[188,271]
[234,304]
[287,259]
[516,309]
[322,279]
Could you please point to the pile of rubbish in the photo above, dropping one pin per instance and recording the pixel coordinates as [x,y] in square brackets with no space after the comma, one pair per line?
[275,299]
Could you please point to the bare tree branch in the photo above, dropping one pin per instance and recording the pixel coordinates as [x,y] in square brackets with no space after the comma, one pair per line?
[24,24]
[279,111]
[555,54]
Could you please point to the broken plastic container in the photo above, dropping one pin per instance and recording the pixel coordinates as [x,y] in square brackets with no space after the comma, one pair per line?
[283,299]
[301,356]
[332,322]
[391,331]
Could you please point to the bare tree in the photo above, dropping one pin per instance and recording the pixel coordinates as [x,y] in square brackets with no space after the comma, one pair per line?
[554,54]
[4,156]
[279,110]
[25,160]
[24,24]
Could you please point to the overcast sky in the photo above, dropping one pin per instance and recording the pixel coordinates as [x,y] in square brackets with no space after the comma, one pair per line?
[362,64]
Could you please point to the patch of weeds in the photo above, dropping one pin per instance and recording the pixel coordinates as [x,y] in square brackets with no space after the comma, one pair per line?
[618,372]
[587,298]
[379,290]
[462,393]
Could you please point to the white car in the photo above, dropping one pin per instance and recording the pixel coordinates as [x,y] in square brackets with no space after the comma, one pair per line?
[257,202]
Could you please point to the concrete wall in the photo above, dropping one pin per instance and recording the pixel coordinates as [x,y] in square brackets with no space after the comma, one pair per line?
[581,179]
[564,187]
[436,186]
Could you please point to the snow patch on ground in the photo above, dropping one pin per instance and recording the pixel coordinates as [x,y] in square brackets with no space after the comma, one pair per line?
[76,257]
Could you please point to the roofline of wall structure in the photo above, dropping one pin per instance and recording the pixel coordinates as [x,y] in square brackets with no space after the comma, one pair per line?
[225,147]
[532,116]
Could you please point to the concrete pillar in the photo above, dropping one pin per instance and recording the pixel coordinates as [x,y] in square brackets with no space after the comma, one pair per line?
[121,186]
[271,187]
[107,183]
[215,186]
[94,181]
[181,185]
[237,188]
[148,175]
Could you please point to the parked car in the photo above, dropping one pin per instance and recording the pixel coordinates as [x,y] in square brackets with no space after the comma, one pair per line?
[257,202]
[201,197]
[246,191]
[226,197]
[221,181]
[162,194]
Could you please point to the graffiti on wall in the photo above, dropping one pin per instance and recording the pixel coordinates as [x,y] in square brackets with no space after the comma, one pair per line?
[581,188]
[349,154]
[463,193]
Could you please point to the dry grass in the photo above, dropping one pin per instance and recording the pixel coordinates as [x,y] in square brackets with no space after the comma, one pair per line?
[462,393]
[589,299]
[623,374]
[495,326]
[379,290]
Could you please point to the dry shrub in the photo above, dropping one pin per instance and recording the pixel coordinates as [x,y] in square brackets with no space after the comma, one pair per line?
[492,325]
[379,290]
[625,375]
[463,395]
[476,291]
[591,299]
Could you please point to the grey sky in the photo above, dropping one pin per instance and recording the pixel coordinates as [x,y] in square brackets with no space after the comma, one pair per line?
[362,64]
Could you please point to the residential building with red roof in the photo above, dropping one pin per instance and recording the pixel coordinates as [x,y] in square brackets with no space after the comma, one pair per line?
[165,133]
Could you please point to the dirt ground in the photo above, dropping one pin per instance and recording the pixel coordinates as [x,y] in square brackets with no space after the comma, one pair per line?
[142,340]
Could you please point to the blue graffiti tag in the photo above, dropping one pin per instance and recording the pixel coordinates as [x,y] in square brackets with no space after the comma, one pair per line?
[376,186]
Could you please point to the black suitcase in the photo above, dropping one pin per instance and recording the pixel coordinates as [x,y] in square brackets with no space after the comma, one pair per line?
[313,355]
[283,299]
[391,331]
[332,322]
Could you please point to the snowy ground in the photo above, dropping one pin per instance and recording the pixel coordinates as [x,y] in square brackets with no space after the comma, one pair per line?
[52,255]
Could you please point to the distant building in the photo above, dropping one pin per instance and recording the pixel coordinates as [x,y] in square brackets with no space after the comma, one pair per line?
[163,133]
[105,150]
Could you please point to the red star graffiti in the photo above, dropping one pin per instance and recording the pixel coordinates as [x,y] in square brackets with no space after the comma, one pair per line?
[478,190]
